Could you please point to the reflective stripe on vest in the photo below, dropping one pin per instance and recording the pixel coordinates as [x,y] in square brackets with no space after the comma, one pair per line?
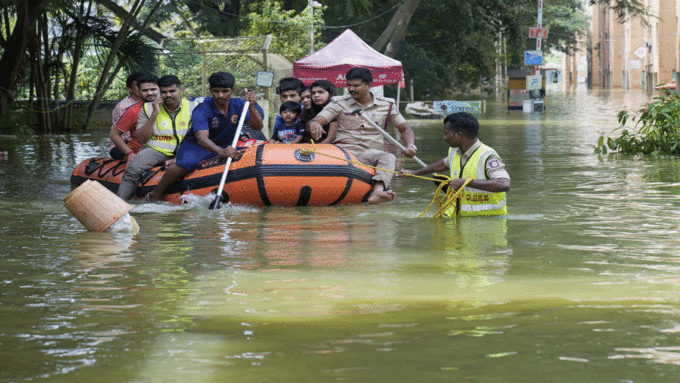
[168,132]
[475,202]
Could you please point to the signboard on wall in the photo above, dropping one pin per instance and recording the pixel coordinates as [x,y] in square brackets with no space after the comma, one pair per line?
[516,98]
[533,57]
[635,64]
[534,82]
[450,106]
[641,52]
[538,33]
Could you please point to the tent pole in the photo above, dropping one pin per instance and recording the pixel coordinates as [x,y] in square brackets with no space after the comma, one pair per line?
[398,96]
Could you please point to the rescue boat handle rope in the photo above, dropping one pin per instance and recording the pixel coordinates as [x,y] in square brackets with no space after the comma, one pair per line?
[445,201]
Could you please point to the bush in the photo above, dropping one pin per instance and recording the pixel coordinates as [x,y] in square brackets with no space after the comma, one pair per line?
[658,129]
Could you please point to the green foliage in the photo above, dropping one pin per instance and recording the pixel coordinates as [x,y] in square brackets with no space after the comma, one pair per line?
[567,20]
[19,123]
[623,8]
[443,57]
[291,30]
[658,129]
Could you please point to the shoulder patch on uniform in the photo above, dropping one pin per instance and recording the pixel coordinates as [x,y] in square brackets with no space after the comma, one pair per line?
[341,97]
[493,164]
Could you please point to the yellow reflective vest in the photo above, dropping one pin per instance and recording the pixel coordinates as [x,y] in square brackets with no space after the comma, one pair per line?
[168,132]
[474,202]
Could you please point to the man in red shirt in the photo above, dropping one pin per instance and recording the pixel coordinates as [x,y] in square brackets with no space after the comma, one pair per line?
[127,124]
[132,98]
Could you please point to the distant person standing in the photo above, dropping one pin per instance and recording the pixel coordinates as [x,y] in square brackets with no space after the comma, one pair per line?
[132,98]
[161,126]
[127,124]
[470,158]
[360,138]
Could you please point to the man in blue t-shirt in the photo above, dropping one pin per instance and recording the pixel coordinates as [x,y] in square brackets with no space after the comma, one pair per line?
[213,126]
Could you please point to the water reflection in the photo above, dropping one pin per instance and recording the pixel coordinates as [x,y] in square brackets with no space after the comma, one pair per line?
[580,280]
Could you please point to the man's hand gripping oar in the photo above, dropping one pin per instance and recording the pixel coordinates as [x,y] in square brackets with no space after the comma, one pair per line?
[386,135]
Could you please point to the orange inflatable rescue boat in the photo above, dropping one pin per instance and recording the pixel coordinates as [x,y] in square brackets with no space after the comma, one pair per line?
[264,175]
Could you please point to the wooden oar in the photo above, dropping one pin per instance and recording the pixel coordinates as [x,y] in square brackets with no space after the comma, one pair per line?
[215,204]
[387,135]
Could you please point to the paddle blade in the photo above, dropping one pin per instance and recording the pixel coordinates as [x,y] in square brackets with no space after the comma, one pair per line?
[215,204]
[219,200]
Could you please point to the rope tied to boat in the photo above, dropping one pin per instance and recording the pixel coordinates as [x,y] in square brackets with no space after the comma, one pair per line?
[445,201]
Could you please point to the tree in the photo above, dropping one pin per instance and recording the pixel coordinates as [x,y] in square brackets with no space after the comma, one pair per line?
[107,75]
[14,57]
[290,28]
[123,14]
[396,29]
[623,8]
[567,20]
[218,18]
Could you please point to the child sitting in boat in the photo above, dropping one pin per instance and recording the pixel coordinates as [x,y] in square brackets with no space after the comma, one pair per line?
[289,129]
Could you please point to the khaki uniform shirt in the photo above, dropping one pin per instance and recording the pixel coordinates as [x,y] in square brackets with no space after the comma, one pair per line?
[354,133]
[495,168]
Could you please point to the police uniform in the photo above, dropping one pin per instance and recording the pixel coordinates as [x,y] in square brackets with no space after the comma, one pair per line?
[358,137]
[478,162]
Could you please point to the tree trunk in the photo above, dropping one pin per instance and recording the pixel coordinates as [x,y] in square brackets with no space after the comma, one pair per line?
[75,65]
[14,58]
[107,77]
[396,29]
[44,66]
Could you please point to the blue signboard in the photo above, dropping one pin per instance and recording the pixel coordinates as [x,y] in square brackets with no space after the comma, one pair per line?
[533,57]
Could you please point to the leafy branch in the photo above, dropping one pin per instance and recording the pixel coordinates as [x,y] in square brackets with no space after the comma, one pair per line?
[657,130]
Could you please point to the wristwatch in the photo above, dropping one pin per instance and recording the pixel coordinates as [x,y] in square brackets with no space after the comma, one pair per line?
[414,147]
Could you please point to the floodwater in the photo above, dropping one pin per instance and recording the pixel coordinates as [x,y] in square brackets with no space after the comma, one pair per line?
[579,284]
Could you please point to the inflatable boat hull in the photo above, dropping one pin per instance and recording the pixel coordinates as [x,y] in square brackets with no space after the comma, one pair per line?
[264,175]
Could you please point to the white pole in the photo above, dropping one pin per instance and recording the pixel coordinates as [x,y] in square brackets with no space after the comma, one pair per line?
[311,27]
[398,95]
[539,23]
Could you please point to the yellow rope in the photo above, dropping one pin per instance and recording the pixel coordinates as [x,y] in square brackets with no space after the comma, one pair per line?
[445,202]
[448,200]
[313,150]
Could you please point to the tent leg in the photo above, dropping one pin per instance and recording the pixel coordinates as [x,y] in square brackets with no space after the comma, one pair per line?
[398,95]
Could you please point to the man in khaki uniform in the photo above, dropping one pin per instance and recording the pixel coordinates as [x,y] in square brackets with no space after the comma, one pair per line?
[358,137]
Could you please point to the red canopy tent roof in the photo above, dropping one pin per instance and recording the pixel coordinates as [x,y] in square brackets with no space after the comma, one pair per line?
[348,51]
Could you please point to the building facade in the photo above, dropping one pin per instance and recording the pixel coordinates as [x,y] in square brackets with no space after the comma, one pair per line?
[635,53]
